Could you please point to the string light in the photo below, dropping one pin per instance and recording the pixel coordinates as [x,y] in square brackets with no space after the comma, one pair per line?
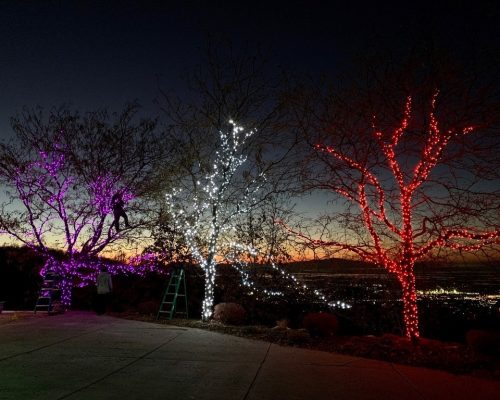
[53,208]
[235,260]
[401,262]
[83,272]
[208,215]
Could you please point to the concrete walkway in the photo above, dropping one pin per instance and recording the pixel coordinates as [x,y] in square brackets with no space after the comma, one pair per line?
[80,356]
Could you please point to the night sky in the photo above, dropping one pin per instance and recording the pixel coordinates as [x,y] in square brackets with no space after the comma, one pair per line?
[103,54]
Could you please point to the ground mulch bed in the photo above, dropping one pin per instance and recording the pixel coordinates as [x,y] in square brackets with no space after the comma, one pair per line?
[456,358]
[7,317]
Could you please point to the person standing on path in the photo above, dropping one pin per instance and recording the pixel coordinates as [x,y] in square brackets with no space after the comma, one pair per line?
[104,287]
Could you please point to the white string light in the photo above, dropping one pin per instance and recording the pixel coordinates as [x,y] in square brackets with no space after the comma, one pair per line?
[210,212]
[236,262]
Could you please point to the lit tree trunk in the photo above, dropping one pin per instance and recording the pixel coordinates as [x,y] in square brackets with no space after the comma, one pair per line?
[66,286]
[65,283]
[410,312]
[208,301]
[406,274]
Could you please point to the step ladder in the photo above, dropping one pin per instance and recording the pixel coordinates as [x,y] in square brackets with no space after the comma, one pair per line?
[49,296]
[174,301]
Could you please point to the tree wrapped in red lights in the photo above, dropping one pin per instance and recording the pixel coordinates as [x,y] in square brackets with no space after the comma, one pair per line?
[424,186]
[61,172]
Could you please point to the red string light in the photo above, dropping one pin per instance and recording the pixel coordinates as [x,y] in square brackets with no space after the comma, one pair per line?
[402,261]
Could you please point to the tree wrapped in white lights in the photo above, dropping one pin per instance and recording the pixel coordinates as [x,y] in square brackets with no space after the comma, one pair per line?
[209,211]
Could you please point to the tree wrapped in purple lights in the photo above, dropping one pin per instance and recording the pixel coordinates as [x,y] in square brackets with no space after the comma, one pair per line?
[61,173]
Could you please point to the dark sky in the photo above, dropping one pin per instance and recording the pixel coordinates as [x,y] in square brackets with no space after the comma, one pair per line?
[105,53]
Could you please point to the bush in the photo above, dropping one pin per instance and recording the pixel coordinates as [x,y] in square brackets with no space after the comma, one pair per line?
[483,341]
[321,324]
[297,336]
[229,313]
[282,324]
[148,307]
[253,330]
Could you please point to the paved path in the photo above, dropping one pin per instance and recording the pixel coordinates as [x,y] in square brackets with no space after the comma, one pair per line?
[80,356]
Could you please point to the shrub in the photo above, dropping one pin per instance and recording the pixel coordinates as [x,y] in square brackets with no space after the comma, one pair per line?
[253,330]
[483,341]
[229,313]
[321,324]
[148,307]
[282,324]
[297,336]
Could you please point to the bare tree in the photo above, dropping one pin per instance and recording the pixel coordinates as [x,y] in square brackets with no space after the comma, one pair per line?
[258,230]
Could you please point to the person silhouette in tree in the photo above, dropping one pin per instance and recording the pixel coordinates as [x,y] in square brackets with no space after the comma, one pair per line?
[117,205]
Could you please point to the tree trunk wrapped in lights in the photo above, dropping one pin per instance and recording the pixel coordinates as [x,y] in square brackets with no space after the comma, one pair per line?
[414,192]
